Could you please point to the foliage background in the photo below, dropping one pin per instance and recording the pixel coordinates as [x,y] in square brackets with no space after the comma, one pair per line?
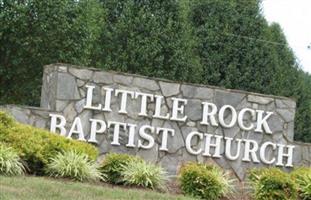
[216,42]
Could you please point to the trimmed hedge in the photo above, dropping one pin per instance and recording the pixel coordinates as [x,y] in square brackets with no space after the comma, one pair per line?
[204,181]
[302,177]
[36,146]
[272,184]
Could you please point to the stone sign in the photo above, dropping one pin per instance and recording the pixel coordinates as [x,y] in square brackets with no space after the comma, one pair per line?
[166,122]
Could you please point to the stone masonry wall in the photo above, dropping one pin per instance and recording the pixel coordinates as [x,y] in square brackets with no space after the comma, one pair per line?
[64,92]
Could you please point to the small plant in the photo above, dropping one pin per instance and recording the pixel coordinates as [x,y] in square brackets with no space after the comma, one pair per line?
[302,177]
[272,184]
[113,166]
[144,174]
[204,181]
[10,164]
[73,165]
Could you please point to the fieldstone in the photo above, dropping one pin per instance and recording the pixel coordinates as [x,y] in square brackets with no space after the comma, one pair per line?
[255,136]
[41,123]
[275,123]
[298,155]
[309,159]
[145,83]
[277,136]
[20,114]
[133,108]
[197,92]
[282,103]
[31,120]
[97,96]
[122,149]
[49,91]
[290,131]
[62,69]
[222,162]
[80,83]
[151,107]
[83,74]
[218,131]
[270,107]
[205,128]
[270,153]
[45,100]
[125,80]
[193,109]
[85,116]
[195,142]
[232,132]
[175,142]
[60,105]
[102,77]
[114,116]
[200,157]
[306,152]
[67,87]
[228,98]
[79,106]
[237,166]
[287,115]
[187,157]
[150,155]
[191,124]
[49,68]
[280,140]
[104,146]
[169,89]
[157,122]
[243,104]
[234,147]
[259,99]
[164,110]
[70,112]
[82,93]
[255,106]
[40,113]
[171,163]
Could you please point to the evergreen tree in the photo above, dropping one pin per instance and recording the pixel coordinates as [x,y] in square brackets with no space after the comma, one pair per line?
[238,49]
[34,33]
[149,37]
[225,43]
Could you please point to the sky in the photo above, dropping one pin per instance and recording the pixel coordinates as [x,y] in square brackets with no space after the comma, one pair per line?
[294,16]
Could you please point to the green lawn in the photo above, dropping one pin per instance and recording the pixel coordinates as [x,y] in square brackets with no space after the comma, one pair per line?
[40,188]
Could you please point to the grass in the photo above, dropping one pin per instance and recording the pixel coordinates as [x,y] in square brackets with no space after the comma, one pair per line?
[42,188]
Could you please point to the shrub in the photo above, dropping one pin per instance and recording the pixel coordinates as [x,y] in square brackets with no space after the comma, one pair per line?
[73,165]
[272,184]
[302,178]
[144,174]
[6,120]
[113,166]
[204,181]
[36,146]
[10,163]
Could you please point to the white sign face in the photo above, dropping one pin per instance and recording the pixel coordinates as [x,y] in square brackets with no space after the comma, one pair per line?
[225,116]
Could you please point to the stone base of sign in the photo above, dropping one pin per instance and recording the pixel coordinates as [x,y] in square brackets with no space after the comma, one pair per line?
[64,92]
